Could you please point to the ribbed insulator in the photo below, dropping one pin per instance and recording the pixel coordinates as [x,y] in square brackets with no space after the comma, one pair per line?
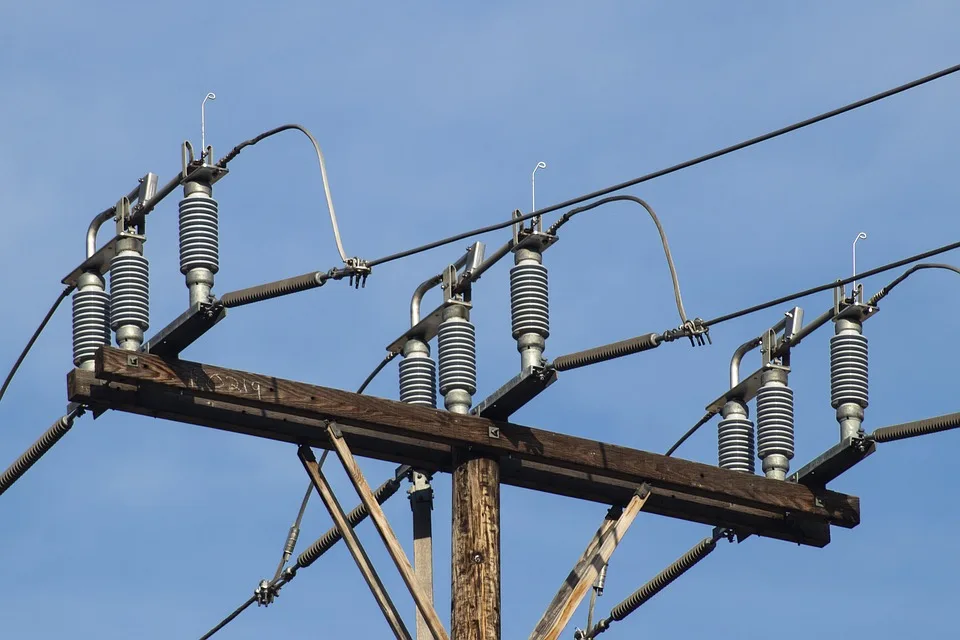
[529,300]
[199,234]
[775,421]
[457,350]
[129,291]
[735,444]
[848,370]
[91,323]
[418,380]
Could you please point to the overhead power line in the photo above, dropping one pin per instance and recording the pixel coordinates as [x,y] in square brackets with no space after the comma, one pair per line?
[677,167]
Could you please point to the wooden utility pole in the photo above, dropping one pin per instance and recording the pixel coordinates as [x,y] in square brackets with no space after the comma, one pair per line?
[475,588]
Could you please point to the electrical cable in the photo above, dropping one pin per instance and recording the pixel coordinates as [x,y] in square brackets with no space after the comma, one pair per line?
[656,220]
[36,334]
[674,168]
[830,285]
[326,541]
[702,421]
[39,448]
[222,163]
[880,295]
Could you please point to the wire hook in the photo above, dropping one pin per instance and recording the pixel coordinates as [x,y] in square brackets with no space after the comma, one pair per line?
[203,122]
[860,236]
[533,191]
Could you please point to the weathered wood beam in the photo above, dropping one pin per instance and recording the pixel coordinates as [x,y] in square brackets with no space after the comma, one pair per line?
[584,573]
[567,465]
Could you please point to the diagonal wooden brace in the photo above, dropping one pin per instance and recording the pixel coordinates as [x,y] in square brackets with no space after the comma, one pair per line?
[420,597]
[584,573]
[323,488]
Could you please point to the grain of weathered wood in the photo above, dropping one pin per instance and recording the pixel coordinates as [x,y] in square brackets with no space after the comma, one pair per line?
[399,557]
[353,543]
[540,459]
[585,571]
[475,547]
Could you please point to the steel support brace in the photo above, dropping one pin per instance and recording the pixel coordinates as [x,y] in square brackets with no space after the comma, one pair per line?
[420,597]
[584,573]
[323,488]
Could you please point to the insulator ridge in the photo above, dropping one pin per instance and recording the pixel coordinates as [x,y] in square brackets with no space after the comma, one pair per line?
[199,233]
[775,421]
[529,300]
[418,380]
[129,291]
[735,439]
[457,350]
[91,323]
[848,370]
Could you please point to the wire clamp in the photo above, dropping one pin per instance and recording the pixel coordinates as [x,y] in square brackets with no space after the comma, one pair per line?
[266,593]
[697,332]
[358,270]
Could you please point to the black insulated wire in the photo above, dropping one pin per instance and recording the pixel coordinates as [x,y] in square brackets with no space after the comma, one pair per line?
[880,295]
[916,428]
[36,334]
[656,220]
[229,618]
[692,430]
[831,285]
[38,449]
[674,168]
[606,352]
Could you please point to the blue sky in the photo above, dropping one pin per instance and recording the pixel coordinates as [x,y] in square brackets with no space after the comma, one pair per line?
[431,118]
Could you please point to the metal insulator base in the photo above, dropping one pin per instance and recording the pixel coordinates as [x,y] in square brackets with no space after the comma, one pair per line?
[91,323]
[529,300]
[848,370]
[735,444]
[129,291]
[418,380]
[199,234]
[775,422]
[457,351]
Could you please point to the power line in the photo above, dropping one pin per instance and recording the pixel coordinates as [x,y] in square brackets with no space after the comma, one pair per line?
[36,334]
[677,167]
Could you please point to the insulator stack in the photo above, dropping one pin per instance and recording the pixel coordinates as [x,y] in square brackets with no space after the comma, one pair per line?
[418,375]
[849,392]
[91,319]
[199,240]
[129,294]
[457,350]
[735,445]
[529,306]
[775,424]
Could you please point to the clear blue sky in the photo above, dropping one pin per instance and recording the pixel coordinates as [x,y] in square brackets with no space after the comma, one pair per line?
[432,118]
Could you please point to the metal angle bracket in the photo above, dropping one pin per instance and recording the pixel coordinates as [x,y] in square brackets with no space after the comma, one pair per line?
[745,391]
[185,329]
[99,262]
[425,330]
[834,462]
[516,393]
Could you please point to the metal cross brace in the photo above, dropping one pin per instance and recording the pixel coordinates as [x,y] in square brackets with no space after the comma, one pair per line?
[585,571]
[420,596]
[320,483]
